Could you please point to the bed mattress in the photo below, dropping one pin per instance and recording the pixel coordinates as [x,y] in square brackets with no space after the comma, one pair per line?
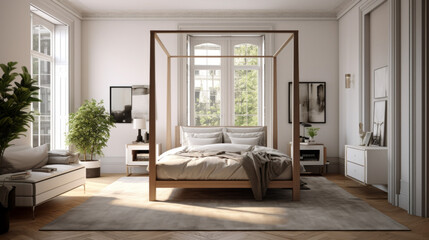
[211,168]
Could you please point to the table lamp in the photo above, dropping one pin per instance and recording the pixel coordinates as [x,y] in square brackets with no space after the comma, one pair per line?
[304,125]
[139,123]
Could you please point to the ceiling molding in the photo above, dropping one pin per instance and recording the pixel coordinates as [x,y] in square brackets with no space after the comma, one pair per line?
[346,7]
[69,9]
[208,15]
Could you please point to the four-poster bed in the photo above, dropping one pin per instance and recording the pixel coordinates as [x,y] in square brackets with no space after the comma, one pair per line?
[155,183]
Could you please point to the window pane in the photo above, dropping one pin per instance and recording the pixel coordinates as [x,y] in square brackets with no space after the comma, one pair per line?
[45,124]
[35,69]
[246,97]
[207,97]
[246,49]
[45,41]
[36,131]
[207,49]
[36,38]
[45,73]
[45,105]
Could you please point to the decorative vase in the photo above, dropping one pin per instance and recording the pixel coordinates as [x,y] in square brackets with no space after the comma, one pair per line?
[311,139]
[92,168]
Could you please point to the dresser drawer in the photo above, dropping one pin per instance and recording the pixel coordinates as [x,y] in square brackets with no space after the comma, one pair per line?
[356,171]
[355,156]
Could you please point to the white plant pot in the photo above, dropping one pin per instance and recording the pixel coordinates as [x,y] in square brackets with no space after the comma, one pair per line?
[92,168]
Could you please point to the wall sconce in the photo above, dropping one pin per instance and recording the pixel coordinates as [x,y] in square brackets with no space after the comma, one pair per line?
[348,80]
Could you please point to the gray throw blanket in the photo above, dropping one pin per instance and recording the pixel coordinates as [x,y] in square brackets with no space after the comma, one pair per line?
[261,167]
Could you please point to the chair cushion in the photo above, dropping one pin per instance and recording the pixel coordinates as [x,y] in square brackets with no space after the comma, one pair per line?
[24,159]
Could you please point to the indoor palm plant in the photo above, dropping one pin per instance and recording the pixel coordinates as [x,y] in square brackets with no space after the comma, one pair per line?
[89,131]
[15,101]
[15,117]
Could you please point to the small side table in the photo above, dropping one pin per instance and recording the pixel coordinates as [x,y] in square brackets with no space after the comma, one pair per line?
[137,155]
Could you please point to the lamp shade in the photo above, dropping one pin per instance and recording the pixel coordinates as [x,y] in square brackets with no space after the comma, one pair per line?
[139,123]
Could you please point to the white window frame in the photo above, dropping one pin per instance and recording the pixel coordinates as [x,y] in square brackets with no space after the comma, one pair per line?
[227,67]
[37,20]
[59,82]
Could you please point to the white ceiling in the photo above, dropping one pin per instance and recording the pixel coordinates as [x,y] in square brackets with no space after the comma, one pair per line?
[189,8]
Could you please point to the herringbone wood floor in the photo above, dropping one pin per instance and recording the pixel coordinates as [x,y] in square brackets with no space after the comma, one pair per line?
[23,227]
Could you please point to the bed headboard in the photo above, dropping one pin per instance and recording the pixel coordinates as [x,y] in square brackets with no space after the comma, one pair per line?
[178,132]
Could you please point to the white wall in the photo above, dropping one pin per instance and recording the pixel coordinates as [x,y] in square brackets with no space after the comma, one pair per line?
[15,39]
[405,106]
[15,25]
[379,54]
[349,36]
[349,60]
[116,52]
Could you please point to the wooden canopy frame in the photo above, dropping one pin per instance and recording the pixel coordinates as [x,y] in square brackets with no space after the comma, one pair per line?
[154,183]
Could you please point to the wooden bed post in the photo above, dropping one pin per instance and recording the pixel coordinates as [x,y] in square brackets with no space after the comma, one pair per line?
[295,121]
[168,103]
[275,130]
[152,120]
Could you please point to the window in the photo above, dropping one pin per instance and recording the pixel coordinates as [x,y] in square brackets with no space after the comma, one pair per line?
[49,59]
[225,91]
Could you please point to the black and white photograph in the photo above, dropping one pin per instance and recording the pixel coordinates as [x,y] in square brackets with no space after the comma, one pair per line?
[380,82]
[312,102]
[140,100]
[379,122]
[121,104]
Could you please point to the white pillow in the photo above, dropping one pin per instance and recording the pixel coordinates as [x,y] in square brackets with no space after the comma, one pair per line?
[247,141]
[202,141]
[217,135]
[226,138]
[25,159]
[259,135]
[227,147]
[183,130]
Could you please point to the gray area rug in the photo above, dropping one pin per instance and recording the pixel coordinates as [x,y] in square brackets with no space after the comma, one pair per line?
[124,205]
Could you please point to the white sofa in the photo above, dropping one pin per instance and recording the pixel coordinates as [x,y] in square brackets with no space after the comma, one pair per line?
[41,187]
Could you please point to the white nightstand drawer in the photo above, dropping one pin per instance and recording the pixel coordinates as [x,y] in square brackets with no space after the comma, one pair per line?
[356,156]
[356,171]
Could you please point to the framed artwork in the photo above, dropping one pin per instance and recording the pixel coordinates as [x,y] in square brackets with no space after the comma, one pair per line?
[368,139]
[121,103]
[379,122]
[380,82]
[312,102]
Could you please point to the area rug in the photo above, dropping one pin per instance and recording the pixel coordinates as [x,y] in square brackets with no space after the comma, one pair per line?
[124,205]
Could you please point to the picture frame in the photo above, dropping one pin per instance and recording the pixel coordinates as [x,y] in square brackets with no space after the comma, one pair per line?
[368,139]
[140,101]
[312,102]
[381,82]
[379,122]
[121,103]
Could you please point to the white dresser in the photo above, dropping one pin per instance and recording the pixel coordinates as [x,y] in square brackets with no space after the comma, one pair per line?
[366,164]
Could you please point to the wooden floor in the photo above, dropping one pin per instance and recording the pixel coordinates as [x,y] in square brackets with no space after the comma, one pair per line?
[23,227]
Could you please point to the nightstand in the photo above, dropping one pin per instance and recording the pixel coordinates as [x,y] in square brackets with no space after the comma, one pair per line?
[137,155]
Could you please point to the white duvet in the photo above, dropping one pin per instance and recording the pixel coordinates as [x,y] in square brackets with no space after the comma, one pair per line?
[211,168]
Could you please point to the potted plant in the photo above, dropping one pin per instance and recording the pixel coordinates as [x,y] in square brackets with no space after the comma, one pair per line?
[89,131]
[14,104]
[14,120]
[312,132]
